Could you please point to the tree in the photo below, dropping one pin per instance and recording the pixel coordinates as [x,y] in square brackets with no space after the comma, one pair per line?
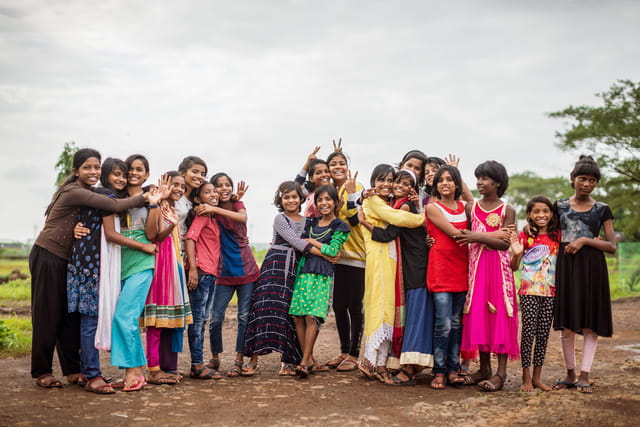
[65,162]
[611,133]
[523,186]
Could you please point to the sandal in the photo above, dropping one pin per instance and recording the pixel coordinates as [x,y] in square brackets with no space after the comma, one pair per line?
[202,373]
[78,379]
[105,388]
[302,371]
[454,379]
[365,368]
[438,382]
[584,388]
[117,383]
[160,377]
[487,385]
[316,367]
[249,370]
[383,376]
[474,378]
[347,365]
[48,381]
[286,370]
[214,363]
[336,361]
[564,384]
[236,370]
[137,386]
[399,382]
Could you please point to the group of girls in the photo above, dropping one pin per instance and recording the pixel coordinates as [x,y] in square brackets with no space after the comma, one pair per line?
[419,276]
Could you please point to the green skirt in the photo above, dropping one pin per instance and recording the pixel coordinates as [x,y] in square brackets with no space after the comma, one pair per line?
[311,295]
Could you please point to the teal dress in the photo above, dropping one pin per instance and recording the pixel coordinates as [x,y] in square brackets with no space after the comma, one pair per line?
[312,289]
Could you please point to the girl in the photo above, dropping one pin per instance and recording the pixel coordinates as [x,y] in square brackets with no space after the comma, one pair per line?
[413,337]
[237,271]
[312,289]
[136,275]
[447,274]
[582,303]
[167,311]
[85,289]
[270,326]
[490,310]
[432,165]
[194,171]
[348,286]
[415,161]
[318,173]
[537,287]
[380,273]
[53,325]
[202,244]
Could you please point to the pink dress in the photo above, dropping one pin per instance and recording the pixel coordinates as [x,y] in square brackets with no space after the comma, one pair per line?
[490,315]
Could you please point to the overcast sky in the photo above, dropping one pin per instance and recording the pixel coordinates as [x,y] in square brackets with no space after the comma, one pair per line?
[253,86]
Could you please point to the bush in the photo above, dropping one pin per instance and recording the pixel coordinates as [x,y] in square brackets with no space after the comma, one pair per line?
[15,336]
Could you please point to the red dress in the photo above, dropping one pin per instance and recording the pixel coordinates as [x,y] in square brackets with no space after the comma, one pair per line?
[448,269]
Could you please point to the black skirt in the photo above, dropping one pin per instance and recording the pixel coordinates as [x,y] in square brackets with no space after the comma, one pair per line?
[582,297]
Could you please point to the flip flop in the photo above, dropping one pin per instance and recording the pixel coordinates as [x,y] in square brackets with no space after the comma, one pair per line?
[137,386]
[48,381]
[347,365]
[584,388]
[336,361]
[564,385]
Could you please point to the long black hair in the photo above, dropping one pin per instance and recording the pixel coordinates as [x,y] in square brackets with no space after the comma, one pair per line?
[552,227]
[108,166]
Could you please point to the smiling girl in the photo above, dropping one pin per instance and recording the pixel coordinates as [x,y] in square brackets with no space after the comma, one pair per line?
[167,311]
[312,289]
[237,270]
[380,273]
[318,172]
[52,323]
[537,287]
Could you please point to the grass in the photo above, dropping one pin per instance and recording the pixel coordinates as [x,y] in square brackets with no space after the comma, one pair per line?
[15,336]
[17,291]
[8,265]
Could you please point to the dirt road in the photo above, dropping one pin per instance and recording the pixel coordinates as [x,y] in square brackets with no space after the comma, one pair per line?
[341,398]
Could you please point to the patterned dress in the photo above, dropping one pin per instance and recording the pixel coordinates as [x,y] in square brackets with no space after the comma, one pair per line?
[312,288]
[270,328]
[491,311]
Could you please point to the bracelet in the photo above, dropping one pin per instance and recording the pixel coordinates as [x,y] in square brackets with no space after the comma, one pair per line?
[152,206]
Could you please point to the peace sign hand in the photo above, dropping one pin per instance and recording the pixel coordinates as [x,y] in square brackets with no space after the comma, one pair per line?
[337,147]
[350,183]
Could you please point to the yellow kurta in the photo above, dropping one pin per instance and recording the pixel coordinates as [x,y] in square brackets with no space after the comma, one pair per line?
[380,274]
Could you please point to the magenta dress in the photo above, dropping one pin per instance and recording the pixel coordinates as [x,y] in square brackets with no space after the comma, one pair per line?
[490,316]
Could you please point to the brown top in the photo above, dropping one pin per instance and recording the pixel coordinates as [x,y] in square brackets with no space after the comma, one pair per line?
[57,234]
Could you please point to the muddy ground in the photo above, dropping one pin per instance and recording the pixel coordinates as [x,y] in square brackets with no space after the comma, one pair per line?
[341,398]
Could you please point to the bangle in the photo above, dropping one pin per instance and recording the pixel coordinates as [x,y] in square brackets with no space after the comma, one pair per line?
[152,206]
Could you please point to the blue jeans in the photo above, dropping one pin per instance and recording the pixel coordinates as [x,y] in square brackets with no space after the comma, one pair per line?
[221,297]
[447,333]
[89,355]
[201,299]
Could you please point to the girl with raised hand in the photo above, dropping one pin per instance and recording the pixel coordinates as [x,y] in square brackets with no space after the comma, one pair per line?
[270,327]
[312,289]
[167,311]
[380,273]
[582,302]
[318,174]
[137,267]
[348,283]
[447,274]
[237,270]
[539,253]
[412,343]
[53,325]
[491,311]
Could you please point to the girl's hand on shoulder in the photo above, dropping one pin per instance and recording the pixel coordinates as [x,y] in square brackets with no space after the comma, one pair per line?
[169,214]
[79,231]
[368,193]
[192,281]
[204,209]
[575,246]
[149,248]
[415,198]
[337,147]
[240,191]
[529,230]
[452,160]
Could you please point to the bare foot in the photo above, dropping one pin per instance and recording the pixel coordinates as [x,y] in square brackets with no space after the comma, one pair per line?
[527,384]
[539,384]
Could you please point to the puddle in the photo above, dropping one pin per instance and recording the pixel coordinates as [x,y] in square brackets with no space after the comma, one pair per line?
[634,348]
